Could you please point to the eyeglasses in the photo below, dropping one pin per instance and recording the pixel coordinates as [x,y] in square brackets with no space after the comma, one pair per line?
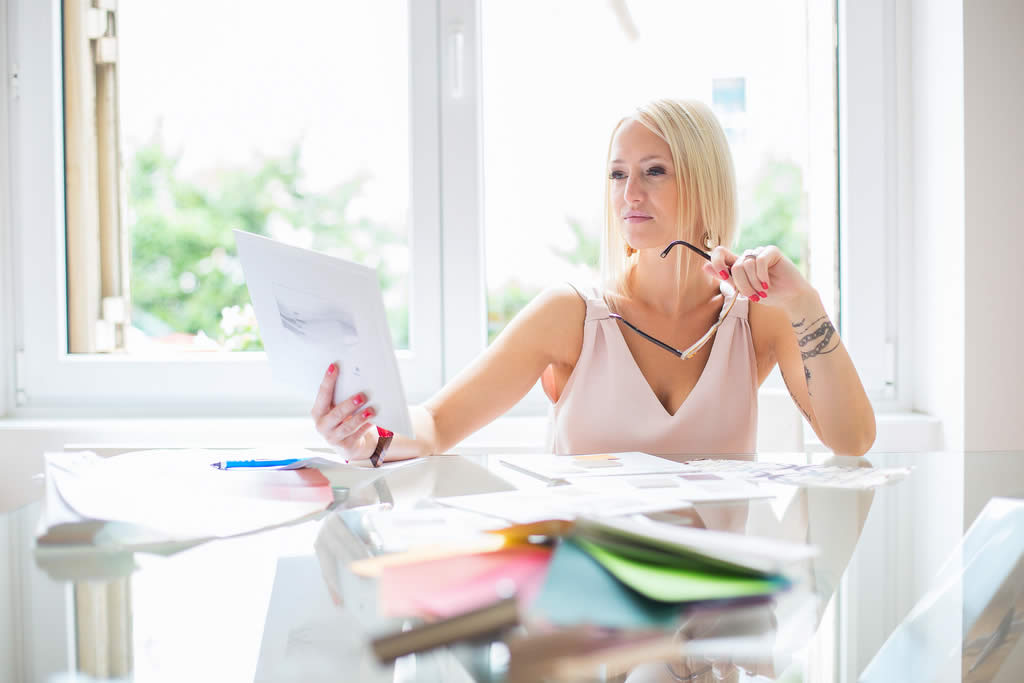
[692,350]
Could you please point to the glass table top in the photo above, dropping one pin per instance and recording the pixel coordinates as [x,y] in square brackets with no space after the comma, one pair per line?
[919,579]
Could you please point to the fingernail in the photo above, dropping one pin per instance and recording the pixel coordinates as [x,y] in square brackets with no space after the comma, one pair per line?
[368,413]
[755,298]
[762,295]
[765,285]
[359,399]
[331,368]
[724,275]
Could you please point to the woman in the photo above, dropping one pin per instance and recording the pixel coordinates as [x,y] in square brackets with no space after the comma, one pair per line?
[610,361]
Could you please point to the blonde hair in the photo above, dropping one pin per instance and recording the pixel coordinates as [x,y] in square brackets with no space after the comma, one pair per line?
[705,184]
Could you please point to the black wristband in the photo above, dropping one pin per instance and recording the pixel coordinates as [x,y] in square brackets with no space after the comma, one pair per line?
[384,438]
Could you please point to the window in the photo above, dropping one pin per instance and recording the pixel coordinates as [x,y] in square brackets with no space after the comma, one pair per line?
[290,142]
[425,143]
[265,127]
[548,113]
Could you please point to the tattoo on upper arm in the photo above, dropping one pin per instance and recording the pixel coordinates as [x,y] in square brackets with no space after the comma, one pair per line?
[820,341]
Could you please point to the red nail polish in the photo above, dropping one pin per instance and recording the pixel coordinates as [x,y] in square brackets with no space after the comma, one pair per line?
[368,413]
[762,295]
[331,369]
[765,285]
[359,399]
[755,298]
[724,275]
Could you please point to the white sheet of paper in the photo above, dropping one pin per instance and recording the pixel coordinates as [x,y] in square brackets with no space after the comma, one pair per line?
[176,493]
[313,310]
[765,554]
[692,487]
[563,502]
[576,467]
[793,474]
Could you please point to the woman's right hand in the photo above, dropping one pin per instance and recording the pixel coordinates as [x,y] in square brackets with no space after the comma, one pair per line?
[344,426]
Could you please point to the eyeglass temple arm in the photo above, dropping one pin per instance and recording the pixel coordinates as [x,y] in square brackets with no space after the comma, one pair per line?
[646,336]
[685,244]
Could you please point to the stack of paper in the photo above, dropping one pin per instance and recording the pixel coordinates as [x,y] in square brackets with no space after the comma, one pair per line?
[830,476]
[449,586]
[636,475]
[632,574]
[155,498]
[640,575]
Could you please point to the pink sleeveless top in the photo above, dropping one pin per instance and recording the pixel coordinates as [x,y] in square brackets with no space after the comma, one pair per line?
[608,406]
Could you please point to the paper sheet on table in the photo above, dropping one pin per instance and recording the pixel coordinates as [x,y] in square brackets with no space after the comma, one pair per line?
[178,494]
[666,583]
[552,468]
[797,474]
[448,586]
[695,487]
[563,502]
[578,590]
[736,552]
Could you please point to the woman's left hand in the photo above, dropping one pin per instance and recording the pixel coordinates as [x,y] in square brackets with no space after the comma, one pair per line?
[762,274]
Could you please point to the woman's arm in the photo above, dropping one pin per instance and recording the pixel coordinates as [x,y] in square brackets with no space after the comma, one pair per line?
[549,330]
[822,379]
[814,363]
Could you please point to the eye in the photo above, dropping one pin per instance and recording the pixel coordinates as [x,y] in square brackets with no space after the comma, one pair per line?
[616,175]
[656,170]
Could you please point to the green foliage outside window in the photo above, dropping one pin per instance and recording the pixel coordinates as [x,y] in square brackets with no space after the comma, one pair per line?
[774,211]
[186,278]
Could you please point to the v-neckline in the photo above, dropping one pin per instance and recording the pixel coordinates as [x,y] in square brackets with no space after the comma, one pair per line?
[643,377]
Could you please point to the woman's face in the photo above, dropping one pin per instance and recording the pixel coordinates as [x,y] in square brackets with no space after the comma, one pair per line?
[643,186]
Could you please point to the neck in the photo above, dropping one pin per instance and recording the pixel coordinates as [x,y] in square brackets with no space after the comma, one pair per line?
[656,285]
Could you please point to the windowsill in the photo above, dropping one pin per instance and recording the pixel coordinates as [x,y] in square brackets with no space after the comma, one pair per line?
[894,433]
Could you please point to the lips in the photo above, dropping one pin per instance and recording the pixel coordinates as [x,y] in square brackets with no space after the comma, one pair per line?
[636,217]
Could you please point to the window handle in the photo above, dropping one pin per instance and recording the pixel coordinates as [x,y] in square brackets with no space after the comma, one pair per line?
[457,43]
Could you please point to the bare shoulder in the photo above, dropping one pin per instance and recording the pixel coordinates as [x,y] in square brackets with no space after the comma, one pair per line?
[557,315]
[551,326]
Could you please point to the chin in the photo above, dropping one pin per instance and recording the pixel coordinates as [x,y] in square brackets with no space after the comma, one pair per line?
[647,242]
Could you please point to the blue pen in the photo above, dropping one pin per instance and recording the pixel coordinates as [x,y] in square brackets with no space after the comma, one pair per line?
[231,464]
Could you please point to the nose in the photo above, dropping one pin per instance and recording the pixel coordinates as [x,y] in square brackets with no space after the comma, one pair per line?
[633,192]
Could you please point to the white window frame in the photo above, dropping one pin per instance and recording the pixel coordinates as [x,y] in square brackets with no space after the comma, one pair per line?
[876,249]
[49,381]
[448,307]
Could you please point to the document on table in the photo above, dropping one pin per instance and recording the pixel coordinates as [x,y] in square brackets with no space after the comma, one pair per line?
[179,495]
[554,468]
[694,487]
[795,474]
[563,503]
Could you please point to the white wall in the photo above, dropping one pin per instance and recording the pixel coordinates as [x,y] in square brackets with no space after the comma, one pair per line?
[967,215]
[993,48]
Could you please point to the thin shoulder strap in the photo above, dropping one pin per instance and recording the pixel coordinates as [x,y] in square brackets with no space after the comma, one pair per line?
[576,289]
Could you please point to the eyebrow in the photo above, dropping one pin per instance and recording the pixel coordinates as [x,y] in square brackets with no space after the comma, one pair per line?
[646,158]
